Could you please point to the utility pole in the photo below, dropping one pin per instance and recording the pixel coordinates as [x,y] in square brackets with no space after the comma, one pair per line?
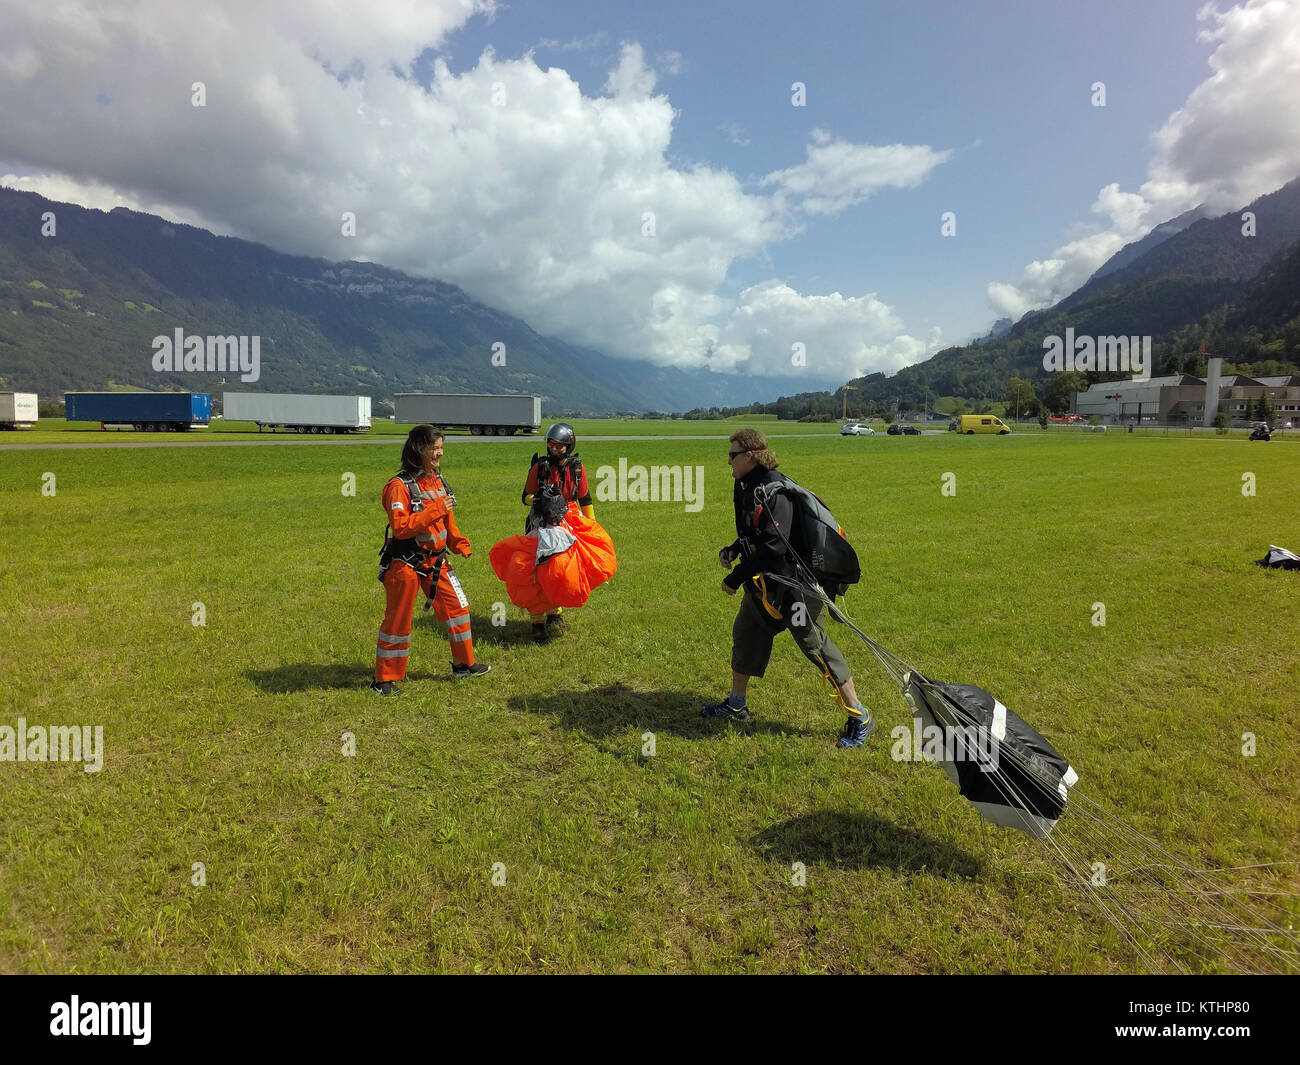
[846,390]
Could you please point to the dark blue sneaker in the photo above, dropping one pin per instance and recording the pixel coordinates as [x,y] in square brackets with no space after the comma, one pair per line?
[726,710]
[856,730]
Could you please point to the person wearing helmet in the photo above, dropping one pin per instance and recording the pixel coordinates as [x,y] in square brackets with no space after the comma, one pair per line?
[562,468]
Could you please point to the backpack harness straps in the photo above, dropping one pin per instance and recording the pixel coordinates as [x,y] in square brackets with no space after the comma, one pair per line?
[410,551]
[569,468]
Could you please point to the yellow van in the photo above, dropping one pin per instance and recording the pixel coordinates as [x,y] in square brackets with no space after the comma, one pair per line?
[982,423]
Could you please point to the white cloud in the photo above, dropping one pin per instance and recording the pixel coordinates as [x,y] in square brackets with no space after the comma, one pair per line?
[669,62]
[505,178]
[837,174]
[574,44]
[1236,138]
[842,337]
[631,77]
[735,133]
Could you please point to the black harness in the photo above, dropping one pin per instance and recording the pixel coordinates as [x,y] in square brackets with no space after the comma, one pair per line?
[570,468]
[409,552]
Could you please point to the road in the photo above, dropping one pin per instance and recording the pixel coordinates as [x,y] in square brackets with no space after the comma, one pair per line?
[391,441]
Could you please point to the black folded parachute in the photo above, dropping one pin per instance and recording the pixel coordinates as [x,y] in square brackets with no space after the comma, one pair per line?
[1007,771]
[1279,558]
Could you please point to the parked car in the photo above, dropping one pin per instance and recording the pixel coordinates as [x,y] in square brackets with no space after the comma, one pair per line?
[856,429]
[952,425]
[899,429]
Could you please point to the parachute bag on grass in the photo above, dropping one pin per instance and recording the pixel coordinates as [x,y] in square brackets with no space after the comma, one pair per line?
[1000,763]
[817,538]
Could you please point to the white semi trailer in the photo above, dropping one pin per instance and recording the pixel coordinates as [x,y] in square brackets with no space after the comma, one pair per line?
[482,415]
[299,414]
[18,410]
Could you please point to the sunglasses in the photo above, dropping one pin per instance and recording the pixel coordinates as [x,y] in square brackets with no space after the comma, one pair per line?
[732,454]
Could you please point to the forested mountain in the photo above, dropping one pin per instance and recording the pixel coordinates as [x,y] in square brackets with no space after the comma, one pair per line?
[1207,284]
[79,310]
[1228,248]
[1132,252]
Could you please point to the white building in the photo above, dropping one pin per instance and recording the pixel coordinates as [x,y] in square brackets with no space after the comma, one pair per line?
[1181,399]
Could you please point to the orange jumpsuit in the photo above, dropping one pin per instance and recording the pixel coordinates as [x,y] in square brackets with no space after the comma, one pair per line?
[434,528]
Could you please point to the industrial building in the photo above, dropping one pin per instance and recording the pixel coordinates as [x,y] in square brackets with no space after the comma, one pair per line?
[1181,399]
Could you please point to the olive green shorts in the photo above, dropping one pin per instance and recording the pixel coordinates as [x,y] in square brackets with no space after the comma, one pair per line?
[754,630]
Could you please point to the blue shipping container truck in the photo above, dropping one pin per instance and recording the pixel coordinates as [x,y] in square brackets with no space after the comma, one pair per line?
[153,411]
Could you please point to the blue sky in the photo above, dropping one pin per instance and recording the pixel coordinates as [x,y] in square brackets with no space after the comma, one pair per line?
[517,150]
[1005,84]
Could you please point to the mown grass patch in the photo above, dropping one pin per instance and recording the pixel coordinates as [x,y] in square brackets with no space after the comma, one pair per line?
[223,742]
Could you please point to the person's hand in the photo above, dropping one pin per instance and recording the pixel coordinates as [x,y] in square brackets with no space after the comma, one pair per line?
[728,588]
[724,556]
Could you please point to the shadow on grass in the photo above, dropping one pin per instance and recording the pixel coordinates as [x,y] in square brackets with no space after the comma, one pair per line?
[514,631]
[853,840]
[309,676]
[599,712]
[336,676]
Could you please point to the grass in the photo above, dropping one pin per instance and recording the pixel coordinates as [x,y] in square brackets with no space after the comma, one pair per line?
[223,742]
[57,430]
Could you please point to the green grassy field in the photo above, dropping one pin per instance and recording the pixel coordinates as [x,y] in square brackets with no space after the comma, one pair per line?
[223,742]
[56,430]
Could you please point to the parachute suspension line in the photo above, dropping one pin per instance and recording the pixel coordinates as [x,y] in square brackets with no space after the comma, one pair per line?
[1139,868]
[1141,893]
[1086,834]
[892,664]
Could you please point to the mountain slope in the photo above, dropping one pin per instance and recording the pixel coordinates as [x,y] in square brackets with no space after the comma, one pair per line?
[1207,283]
[1133,251]
[79,310]
[1212,247]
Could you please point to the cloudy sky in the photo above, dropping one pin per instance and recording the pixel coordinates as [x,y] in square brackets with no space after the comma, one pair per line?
[647,179]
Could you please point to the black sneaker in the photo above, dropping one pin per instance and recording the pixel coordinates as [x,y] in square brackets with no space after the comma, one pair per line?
[556,621]
[725,709]
[476,670]
[539,631]
[383,687]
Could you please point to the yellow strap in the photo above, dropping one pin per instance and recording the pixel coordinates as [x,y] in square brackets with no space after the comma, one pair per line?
[835,693]
[589,512]
[762,586]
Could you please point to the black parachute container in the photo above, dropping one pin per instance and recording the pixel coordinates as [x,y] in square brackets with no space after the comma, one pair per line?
[817,539]
[1002,766]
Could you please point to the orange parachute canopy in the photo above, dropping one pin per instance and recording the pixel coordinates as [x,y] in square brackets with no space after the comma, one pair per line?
[563,579]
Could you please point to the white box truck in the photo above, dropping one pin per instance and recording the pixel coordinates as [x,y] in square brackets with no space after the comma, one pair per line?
[299,414]
[482,415]
[17,410]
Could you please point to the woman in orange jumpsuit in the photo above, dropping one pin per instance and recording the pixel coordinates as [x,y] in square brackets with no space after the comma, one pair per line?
[421,533]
